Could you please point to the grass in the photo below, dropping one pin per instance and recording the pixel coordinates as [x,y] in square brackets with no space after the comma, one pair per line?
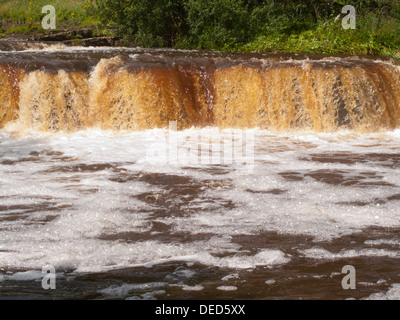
[22,16]
[372,36]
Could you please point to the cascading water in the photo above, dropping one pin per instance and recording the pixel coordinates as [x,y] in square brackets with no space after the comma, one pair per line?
[96,181]
[145,91]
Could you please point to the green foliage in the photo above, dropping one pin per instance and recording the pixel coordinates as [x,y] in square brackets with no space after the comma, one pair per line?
[23,29]
[272,17]
[151,22]
[319,30]
[312,26]
[26,13]
[217,24]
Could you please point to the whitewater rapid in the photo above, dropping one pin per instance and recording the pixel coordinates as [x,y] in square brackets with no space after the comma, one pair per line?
[95,201]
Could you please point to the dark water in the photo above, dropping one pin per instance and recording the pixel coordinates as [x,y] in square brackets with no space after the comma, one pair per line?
[300,279]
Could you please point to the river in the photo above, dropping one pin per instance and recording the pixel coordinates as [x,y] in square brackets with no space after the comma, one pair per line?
[164,174]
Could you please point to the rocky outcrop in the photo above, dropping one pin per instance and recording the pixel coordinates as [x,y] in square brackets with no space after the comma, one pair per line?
[83,37]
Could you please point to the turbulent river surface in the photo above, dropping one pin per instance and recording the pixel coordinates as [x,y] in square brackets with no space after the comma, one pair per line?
[156,174]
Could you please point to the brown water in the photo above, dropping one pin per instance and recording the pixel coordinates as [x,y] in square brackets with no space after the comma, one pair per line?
[95,182]
[135,90]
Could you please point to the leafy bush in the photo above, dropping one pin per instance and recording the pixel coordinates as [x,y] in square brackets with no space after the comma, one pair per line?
[312,26]
[151,22]
[217,24]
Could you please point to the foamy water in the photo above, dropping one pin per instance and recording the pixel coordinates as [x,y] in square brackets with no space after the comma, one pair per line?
[118,220]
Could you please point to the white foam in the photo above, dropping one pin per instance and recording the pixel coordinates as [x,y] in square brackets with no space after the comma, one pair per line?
[192,288]
[227,288]
[184,273]
[263,258]
[240,205]
[126,288]
[26,276]
[391,242]
[392,294]
[148,295]
[320,253]
[230,277]
[93,255]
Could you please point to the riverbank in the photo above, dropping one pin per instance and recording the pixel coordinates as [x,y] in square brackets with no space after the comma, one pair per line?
[264,28]
[76,24]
